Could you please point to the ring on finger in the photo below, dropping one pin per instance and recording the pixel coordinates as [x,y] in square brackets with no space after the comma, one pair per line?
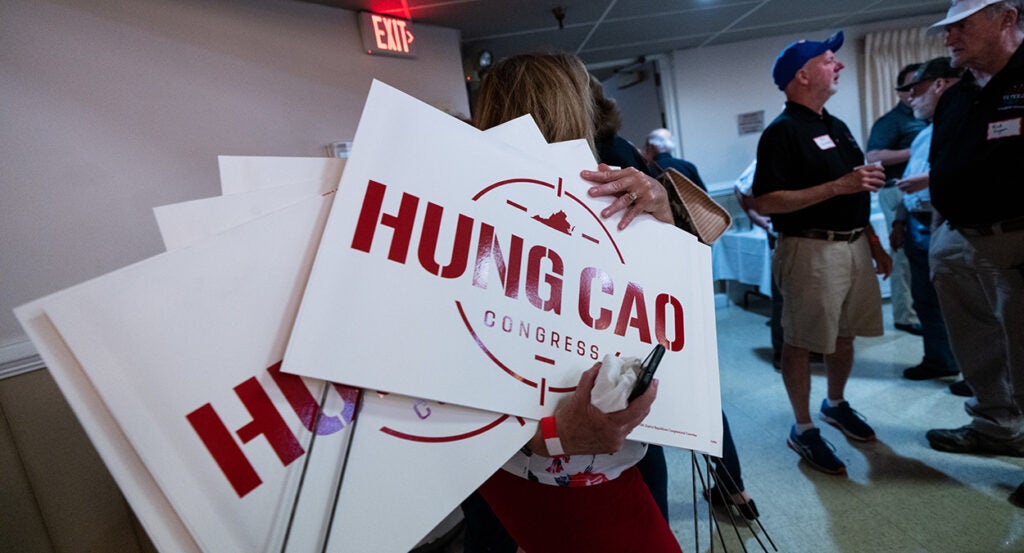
[632,197]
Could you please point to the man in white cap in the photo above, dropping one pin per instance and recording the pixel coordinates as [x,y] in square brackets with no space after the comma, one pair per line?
[658,152]
[812,180]
[977,252]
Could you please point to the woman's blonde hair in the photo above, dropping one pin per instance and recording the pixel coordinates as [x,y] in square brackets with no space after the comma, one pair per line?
[554,88]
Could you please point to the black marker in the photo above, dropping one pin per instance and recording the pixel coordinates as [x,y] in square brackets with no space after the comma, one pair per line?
[643,380]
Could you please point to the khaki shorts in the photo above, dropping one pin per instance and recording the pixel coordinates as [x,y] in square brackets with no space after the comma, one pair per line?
[829,290]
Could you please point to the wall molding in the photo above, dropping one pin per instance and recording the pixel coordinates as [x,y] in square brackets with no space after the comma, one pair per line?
[17,358]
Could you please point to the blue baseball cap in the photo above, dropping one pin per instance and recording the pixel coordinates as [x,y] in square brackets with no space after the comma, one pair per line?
[797,54]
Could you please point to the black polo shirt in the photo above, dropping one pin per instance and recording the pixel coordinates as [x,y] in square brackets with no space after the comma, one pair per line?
[977,152]
[801,149]
[895,131]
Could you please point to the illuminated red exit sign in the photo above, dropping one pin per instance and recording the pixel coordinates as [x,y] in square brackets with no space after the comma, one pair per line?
[386,36]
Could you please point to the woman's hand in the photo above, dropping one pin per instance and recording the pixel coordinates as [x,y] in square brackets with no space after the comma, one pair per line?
[634,192]
[583,429]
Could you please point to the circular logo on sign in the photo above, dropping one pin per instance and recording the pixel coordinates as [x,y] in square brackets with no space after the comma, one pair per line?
[535,315]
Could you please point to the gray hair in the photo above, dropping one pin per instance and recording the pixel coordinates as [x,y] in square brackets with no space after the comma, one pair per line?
[661,140]
[1000,8]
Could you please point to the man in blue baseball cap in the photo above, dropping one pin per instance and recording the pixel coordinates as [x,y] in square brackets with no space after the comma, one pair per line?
[812,180]
[796,55]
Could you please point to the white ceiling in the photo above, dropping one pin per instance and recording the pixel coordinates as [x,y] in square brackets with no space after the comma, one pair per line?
[603,31]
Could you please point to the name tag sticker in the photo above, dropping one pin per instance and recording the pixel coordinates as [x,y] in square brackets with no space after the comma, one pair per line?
[824,141]
[1003,129]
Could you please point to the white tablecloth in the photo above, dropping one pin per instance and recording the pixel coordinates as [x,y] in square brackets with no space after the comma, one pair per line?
[743,256]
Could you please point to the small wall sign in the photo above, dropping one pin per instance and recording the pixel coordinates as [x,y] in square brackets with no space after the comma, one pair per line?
[749,123]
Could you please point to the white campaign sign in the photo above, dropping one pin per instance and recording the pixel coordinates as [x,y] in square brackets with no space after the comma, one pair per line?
[183,350]
[412,462]
[424,457]
[186,223]
[473,274]
[191,222]
[403,457]
[163,525]
[249,173]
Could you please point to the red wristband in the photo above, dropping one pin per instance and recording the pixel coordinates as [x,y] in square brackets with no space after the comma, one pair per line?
[549,432]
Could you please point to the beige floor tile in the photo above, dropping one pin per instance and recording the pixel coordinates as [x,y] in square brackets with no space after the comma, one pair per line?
[899,495]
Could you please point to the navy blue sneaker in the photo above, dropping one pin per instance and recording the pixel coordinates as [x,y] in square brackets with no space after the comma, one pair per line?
[816,451]
[848,420]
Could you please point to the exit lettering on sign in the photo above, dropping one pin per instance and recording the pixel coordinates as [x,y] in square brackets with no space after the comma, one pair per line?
[386,35]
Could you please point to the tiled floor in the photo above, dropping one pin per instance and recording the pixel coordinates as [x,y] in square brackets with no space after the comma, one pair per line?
[899,495]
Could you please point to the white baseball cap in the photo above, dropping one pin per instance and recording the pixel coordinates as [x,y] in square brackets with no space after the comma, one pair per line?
[962,9]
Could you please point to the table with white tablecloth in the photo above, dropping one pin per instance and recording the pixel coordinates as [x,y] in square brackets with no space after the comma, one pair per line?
[743,256]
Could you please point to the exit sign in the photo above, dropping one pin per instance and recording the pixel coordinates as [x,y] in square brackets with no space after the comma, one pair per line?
[386,36]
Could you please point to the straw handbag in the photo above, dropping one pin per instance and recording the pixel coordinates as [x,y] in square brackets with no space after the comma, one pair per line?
[701,216]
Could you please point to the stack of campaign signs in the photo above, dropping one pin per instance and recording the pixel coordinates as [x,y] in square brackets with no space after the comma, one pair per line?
[463,279]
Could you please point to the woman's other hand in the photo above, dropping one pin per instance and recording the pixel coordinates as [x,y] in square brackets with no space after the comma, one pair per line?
[634,192]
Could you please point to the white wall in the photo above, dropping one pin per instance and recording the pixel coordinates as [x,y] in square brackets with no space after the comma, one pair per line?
[644,104]
[113,107]
[715,84]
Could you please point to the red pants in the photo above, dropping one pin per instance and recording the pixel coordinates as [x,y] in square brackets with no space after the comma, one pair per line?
[617,516]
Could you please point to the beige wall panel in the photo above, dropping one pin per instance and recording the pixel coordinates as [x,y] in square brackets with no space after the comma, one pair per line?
[82,508]
[21,523]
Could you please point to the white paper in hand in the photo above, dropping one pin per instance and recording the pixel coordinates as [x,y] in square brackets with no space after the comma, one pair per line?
[615,381]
